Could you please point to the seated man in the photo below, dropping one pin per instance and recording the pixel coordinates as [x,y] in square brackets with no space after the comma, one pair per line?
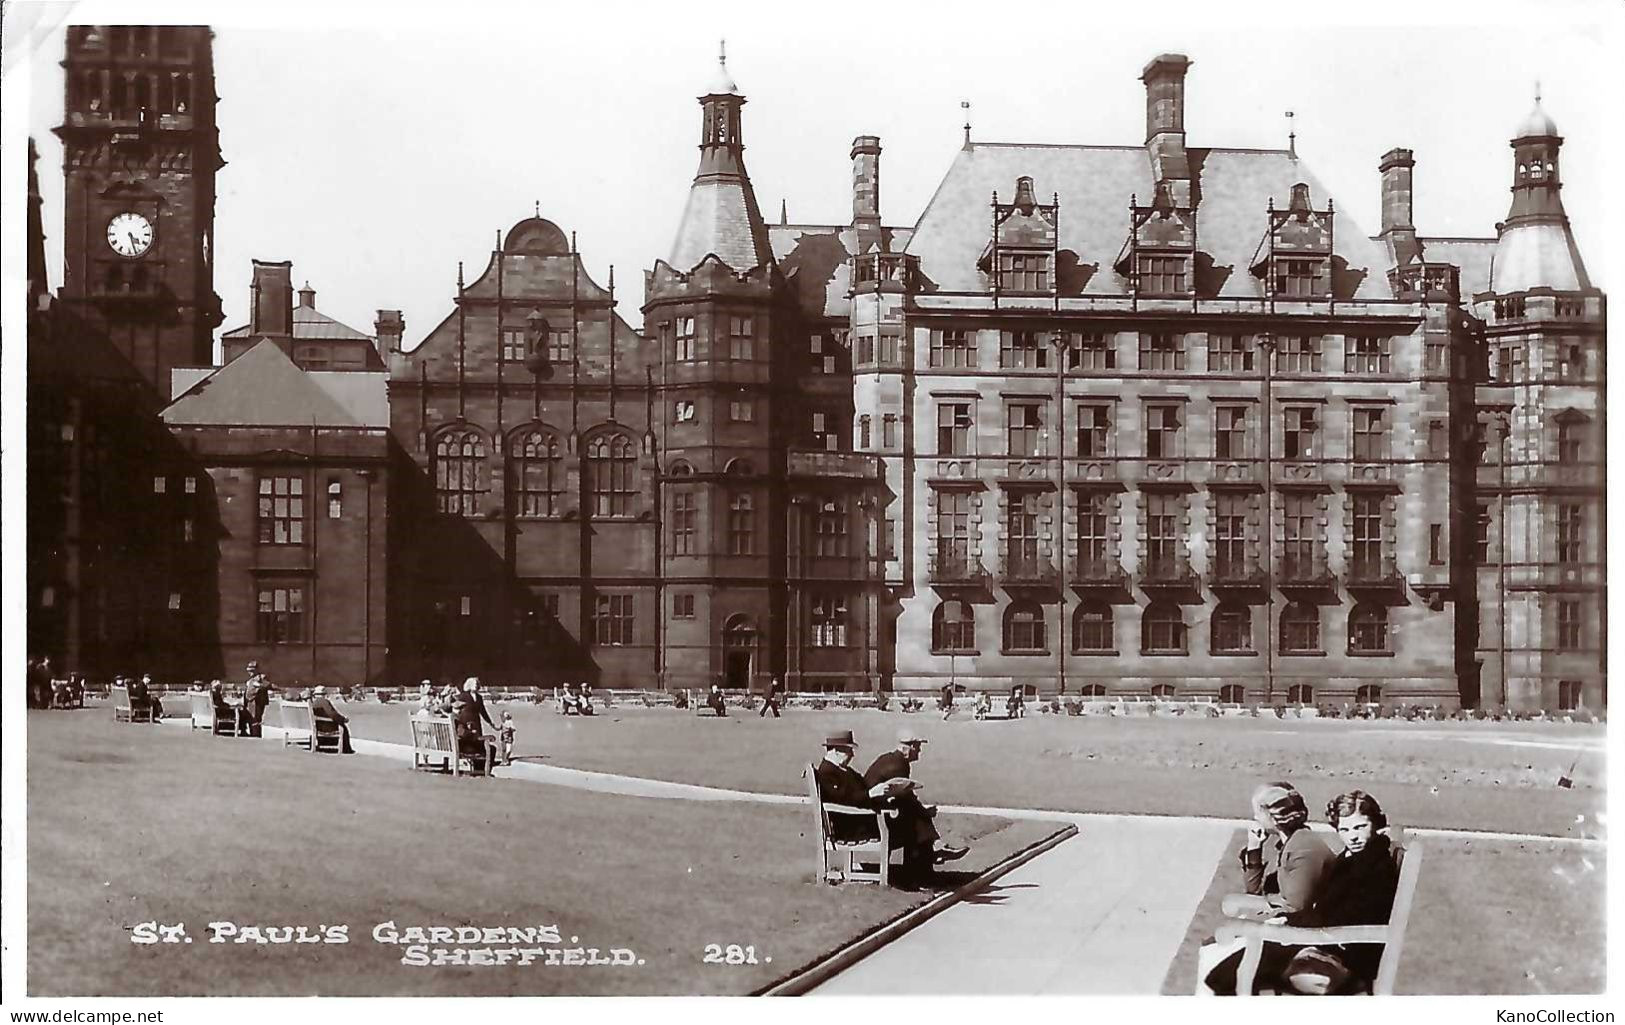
[141,697]
[225,713]
[717,701]
[569,700]
[914,831]
[1017,705]
[329,719]
[585,698]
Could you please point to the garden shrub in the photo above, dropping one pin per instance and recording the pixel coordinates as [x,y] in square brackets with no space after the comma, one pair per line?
[1074,707]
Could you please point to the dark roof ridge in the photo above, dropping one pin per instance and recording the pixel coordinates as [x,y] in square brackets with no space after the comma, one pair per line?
[1124,146]
[1453,238]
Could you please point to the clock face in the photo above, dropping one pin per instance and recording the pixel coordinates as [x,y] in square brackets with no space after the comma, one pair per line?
[130,234]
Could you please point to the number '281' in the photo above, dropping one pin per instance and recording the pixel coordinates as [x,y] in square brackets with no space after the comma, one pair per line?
[733,953]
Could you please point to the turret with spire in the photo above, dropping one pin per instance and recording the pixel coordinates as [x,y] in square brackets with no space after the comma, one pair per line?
[1536,249]
[721,216]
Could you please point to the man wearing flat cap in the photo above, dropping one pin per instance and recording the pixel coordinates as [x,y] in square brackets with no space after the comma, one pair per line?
[914,826]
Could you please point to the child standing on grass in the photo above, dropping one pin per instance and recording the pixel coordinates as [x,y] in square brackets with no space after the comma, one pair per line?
[506,732]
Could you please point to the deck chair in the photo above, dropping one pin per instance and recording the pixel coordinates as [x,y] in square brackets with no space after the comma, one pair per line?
[853,861]
[299,727]
[1391,936]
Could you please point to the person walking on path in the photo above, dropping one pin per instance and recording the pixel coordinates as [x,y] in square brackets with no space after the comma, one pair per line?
[772,701]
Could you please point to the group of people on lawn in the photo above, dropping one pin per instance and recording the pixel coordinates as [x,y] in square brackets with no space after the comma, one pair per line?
[46,691]
[1294,878]
[466,709]
[1015,706]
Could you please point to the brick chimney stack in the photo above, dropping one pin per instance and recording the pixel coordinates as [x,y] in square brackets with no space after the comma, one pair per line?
[389,328]
[1164,79]
[1398,227]
[271,302]
[866,181]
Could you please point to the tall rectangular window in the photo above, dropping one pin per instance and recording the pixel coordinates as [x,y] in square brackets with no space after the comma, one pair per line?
[1571,364]
[954,427]
[1230,516]
[514,346]
[1436,355]
[1021,531]
[1024,428]
[1162,350]
[682,606]
[685,348]
[1570,627]
[1022,350]
[1570,437]
[1300,433]
[282,511]
[1023,272]
[953,529]
[864,348]
[741,525]
[824,435]
[1509,362]
[1370,434]
[281,616]
[1297,354]
[1570,532]
[1092,351]
[741,338]
[1094,521]
[612,620]
[886,350]
[1164,531]
[559,348]
[888,431]
[1481,534]
[1094,431]
[1367,354]
[953,348]
[741,411]
[1163,275]
[1300,548]
[1366,552]
[1230,353]
[864,436]
[1300,278]
[1230,432]
[830,530]
[335,500]
[1162,432]
[684,518]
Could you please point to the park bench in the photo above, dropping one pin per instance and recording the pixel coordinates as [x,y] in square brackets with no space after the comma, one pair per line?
[204,718]
[122,710]
[434,739]
[297,718]
[559,706]
[1392,935]
[851,861]
[698,705]
[998,708]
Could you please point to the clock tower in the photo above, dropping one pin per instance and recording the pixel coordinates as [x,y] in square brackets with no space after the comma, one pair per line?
[140,152]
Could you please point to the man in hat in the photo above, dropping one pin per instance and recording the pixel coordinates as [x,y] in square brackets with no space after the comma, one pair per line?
[256,696]
[327,719]
[839,783]
[913,825]
[1283,862]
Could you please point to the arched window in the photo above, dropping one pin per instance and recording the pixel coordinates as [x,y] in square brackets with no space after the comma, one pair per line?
[537,473]
[680,469]
[610,462]
[953,627]
[1368,628]
[1162,629]
[1300,694]
[1163,692]
[459,461]
[1092,690]
[1024,628]
[1092,629]
[1300,629]
[1368,694]
[1232,630]
[1232,694]
[739,468]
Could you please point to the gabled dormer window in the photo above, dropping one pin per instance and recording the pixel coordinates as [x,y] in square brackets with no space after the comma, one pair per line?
[1024,272]
[1163,275]
[1299,278]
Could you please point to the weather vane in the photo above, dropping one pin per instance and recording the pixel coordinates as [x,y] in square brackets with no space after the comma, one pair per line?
[965,106]
[1291,136]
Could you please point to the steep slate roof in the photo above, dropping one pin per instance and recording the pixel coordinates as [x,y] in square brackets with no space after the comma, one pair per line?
[721,217]
[813,257]
[1233,188]
[264,388]
[1538,255]
[310,324]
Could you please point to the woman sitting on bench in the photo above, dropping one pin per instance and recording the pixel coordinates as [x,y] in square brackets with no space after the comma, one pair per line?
[1017,705]
[1359,890]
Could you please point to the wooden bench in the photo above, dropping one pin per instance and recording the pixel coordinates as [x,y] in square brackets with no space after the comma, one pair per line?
[203,717]
[998,708]
[434,739]
[1392,935]
[851,861]
[297,717]
[122,710]
[559,706]
[698,705]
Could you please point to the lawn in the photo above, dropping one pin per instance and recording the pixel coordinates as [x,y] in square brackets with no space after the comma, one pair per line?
[1491,916]
[1445,774]
[137,824]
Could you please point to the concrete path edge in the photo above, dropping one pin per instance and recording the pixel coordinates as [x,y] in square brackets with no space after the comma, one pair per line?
[828,967]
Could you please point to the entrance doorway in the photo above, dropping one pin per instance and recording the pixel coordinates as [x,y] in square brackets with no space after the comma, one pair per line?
[736,670]
[738,652]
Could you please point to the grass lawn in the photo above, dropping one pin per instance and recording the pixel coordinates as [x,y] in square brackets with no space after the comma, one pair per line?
[1491,916]
[1425,774]
[133,824]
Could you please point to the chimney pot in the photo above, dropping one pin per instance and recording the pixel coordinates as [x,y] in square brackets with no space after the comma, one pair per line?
[866,181]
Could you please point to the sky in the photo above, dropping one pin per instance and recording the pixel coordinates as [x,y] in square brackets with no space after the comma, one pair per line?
[377,147]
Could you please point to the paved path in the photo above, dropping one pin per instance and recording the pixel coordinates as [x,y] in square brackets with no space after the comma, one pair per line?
[1103,913]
